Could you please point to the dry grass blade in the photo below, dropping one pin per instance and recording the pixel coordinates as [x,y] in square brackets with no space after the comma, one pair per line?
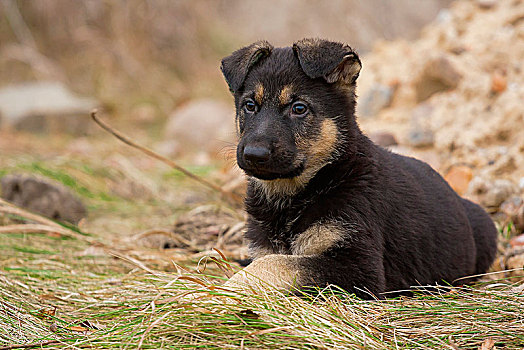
[8,208]
[157,321]
[139,264]
[230,196]
[44,225]
[224,266]
[34,228]
[29,346]
[269,330]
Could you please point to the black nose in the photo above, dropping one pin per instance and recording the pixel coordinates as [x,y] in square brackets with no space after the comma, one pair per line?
[256,155]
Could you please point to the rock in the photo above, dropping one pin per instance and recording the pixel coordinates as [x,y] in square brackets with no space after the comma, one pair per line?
[383,138]
[514,210]
[491,194]
[421,138]
[201,125]
[169,148]
[144,114]
[374,100]
[42,196]
[511,206]
[163,240]
[511,264]
[498,193]
[439,74]
[517,241]
[499,83]
[459,177]
[422,113]
[45,107]
[519,218]
[486,4]
[420,133]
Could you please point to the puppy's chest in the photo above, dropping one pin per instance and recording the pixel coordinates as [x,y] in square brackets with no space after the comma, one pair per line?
[296,232]
[276,231]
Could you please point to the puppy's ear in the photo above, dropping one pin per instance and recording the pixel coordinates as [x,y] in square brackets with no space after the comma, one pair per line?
[335,62]
[236,66]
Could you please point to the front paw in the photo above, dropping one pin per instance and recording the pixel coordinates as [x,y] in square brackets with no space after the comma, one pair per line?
[276,271]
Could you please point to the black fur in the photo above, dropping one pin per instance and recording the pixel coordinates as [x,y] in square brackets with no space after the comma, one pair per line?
[236,66]
[321,58]
[405,225]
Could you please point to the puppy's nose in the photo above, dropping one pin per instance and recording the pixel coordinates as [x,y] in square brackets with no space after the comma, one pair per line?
[256,154]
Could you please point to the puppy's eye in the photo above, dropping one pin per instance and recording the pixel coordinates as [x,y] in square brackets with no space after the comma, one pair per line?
[299,108]
[250,106]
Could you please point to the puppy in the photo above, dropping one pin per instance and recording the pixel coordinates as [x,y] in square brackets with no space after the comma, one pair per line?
[327,206]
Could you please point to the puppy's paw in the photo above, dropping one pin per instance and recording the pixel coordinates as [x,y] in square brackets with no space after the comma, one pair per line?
[271,271]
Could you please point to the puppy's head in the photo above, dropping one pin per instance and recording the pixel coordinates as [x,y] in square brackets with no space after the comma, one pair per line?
[295,109]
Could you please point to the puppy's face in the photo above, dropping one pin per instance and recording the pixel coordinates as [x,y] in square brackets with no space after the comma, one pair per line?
[294,107]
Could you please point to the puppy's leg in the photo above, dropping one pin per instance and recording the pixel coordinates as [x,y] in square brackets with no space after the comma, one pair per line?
[276,270]
[365,276]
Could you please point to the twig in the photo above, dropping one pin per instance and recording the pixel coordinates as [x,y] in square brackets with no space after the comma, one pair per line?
[125,139]
[30,345]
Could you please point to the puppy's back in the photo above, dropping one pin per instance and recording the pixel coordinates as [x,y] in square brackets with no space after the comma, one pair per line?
[453,237]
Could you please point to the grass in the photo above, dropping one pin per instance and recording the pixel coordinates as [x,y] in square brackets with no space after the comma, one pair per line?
[148,311]
[66,179]
[92,286]
[64,296]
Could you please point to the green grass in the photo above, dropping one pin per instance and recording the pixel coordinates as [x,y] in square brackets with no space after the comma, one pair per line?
[151,311]
[67,292]
[53,293]
[200,170]
[67,180]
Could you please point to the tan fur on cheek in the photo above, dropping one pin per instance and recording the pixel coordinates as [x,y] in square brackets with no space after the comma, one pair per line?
[323,148]
[319,152]
[279,271]
[317,239]
[237,125]
[259,93]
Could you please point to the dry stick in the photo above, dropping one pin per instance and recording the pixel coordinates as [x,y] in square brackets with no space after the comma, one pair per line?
[28,346]
[125,139]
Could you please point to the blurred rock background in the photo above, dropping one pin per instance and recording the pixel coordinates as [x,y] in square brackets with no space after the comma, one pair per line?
[138,54]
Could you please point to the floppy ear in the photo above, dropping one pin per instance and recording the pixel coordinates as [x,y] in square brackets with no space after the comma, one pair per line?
[236,66]
[335,62]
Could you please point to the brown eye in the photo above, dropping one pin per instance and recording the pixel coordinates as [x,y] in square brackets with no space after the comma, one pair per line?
[299,108]
[250,106]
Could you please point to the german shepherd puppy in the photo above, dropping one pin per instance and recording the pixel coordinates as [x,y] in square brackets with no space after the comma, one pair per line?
[325,204]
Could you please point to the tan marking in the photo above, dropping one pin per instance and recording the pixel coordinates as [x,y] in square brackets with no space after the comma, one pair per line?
[237,126]
[317,239]
[258,252]
[285,94]
[275,270]
[259,93]
[318,153]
